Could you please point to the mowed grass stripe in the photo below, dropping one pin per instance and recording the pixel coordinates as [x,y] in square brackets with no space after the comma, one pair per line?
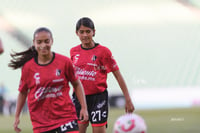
[184,120]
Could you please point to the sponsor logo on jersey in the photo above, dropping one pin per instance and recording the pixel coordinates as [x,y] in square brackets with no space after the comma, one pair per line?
[80,71]
[58,80]
[92,64]
[96,67]
[85,75]
[48,92]
[37,78]
[76,57]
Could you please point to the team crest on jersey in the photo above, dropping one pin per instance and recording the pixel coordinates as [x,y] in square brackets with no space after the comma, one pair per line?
[58,72]
[37,78]
[94,57]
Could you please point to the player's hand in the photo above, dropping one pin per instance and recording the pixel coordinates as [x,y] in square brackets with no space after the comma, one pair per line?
[83,115]
[16,123]
[129,107]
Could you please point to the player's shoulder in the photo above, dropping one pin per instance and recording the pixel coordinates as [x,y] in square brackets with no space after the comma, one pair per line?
[61,57]
[29,64]
[103,48]
[75,48]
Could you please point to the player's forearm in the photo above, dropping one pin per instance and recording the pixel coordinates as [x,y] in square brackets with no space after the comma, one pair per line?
[122,84]
[20,103]
[1,48]
[80,94]
[1,51]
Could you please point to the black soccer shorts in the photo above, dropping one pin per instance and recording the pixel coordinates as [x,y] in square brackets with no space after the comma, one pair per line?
[70,127]
[97,105]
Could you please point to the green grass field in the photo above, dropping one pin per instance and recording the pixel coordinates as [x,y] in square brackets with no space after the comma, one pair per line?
[166,121]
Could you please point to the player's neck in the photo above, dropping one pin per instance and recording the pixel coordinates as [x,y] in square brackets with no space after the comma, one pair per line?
[45,59]
[88,45]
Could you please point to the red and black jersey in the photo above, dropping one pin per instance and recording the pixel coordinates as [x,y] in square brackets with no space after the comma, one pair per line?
[49,102]
[92,66]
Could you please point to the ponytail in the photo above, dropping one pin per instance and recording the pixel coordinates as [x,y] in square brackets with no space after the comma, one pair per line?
[19,59]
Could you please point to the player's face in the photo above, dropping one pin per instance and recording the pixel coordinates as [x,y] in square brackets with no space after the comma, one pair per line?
[85,35]
[43,42]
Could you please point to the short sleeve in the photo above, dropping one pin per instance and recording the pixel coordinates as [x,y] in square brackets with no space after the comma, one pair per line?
[109,61]
[23,84]
[70,71]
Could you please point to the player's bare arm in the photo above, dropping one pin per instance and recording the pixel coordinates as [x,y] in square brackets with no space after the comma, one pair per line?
[129,107]
[1,47]
[81,97]
[20,104]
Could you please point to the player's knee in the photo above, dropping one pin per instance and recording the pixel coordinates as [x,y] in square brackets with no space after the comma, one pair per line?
[83,126]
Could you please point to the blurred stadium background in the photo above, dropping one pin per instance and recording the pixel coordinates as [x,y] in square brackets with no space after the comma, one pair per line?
[155,42]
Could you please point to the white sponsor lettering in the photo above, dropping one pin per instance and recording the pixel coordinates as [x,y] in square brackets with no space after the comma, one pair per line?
[49,92]
[85,75]
[58,80]
[85,72]
[86,78]
[92,64]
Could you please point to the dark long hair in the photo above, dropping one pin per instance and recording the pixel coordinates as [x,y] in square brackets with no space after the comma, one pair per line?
[20,58]
[85,21]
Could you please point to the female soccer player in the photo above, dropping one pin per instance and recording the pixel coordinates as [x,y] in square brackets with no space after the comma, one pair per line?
[92,64]
[1,47]
[45,80]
